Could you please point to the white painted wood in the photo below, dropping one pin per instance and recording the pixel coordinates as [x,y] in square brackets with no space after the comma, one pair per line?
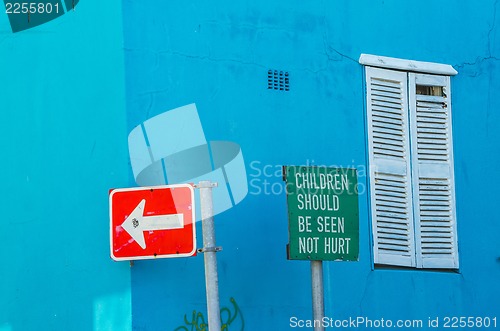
[389,158]
[432,174]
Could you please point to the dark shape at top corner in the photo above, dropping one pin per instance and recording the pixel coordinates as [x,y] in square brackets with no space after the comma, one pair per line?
[29,14]
[71,4]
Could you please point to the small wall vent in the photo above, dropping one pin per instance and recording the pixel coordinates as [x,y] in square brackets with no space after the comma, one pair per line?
[278,80]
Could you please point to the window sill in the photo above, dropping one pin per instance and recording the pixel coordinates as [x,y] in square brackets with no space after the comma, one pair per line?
[407,65]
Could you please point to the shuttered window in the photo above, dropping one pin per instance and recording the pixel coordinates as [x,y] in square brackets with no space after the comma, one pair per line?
[411,169]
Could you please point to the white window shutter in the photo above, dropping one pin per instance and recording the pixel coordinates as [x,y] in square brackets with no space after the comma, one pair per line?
[389,159]
[432,171]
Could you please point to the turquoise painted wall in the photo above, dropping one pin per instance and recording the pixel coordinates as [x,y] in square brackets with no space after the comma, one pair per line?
[63,128]
[217,55]
[70,93]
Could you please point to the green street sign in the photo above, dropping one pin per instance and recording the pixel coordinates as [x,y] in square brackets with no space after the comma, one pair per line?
[323,219]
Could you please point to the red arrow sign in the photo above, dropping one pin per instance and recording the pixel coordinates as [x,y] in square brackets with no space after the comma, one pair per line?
[152,222]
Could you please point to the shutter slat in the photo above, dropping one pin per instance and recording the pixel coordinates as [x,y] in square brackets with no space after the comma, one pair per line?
[391,245]
[434,213]
[391,145]
[391,202]
[393,222]
[393,112]
[393,230]
[431,113]
[393,100]
[430,119]
[384,123]
[436,234]
[438,240]
[388,138]
[395,134]
[434,146]
[424,129]
[437,137]
[395,122]
[391,106]
[444,248]
[431,141]
[437,106]
[430,98]
[434,210]
[388,93]
[386,209]
[434,126]
[393,236]
[436,221]
[380,84]
[396,215]
[435,198]
[383,187]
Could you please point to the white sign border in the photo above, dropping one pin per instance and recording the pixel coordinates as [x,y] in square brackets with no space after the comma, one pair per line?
[147,188]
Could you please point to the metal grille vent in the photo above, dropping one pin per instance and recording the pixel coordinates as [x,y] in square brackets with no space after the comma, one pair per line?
[278,80]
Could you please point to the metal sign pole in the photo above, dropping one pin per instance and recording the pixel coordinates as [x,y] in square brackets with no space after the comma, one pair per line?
[317,295]
[210,250]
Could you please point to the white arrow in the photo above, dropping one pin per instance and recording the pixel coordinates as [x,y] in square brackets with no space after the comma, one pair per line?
[136,223]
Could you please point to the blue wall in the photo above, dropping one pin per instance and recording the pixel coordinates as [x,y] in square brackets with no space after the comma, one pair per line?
[70,93]
[63,127]
[218,55]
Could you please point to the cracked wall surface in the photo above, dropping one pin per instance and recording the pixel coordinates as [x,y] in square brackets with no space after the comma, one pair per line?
[217,55]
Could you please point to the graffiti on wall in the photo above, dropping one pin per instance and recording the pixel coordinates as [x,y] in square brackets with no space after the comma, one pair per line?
[231,319]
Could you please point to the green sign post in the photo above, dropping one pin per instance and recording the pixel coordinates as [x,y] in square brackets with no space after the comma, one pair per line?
[323,222]
[323,218]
